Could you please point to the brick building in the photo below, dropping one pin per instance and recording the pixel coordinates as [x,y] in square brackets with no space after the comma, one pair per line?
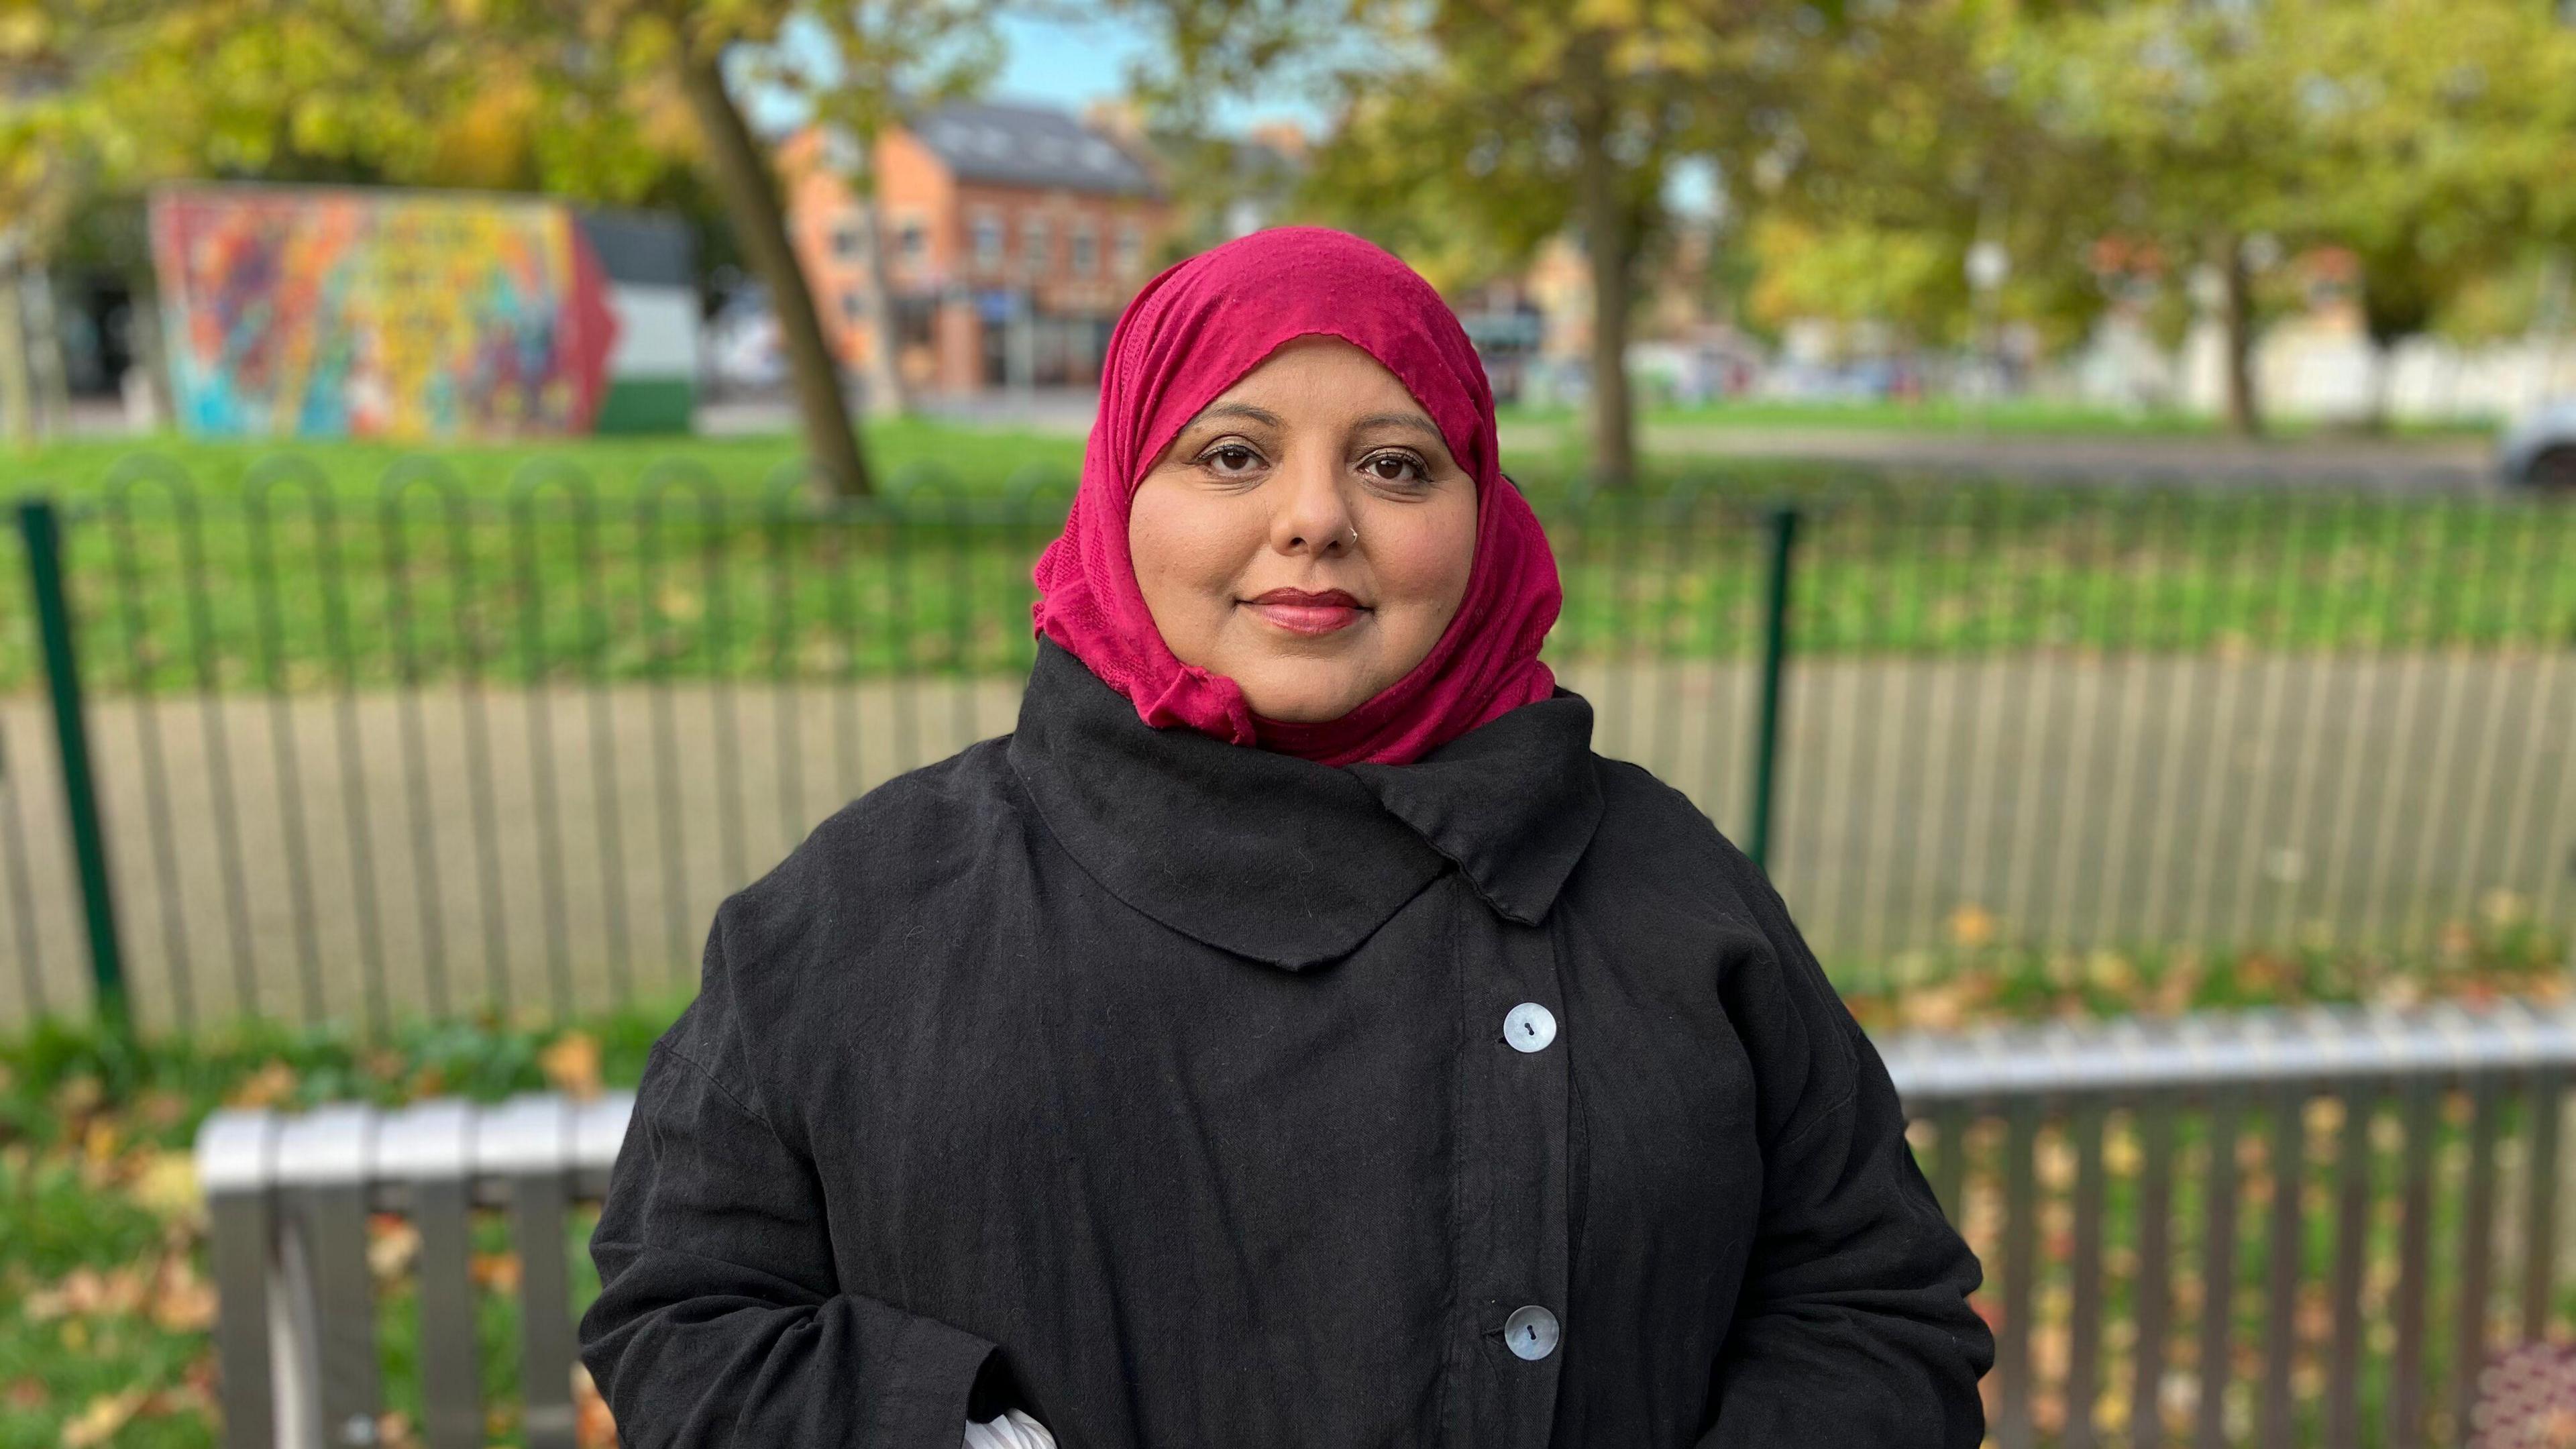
[1012,235]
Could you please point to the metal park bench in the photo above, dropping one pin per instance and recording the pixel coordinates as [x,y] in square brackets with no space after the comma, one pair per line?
[2089,1136]
[288,1198]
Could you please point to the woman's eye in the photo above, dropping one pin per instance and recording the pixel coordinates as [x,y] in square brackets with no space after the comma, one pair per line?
[1231,461]
[1395,468]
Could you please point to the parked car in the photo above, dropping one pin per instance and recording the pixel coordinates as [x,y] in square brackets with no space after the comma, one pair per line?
[2540,451]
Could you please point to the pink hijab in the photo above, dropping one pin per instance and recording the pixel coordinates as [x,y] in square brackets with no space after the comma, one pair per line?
[1193,332]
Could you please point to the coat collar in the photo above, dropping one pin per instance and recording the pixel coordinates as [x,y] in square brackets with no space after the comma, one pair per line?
[1286,861]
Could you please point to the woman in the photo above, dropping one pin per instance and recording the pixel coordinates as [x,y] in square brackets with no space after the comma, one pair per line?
[1292,1034]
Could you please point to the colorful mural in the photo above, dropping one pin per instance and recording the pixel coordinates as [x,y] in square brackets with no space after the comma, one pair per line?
[337,312]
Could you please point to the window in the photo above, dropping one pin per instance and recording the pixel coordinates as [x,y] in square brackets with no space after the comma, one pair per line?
[853,308]
[845,241]
[1036,244]
[1131,249]
[912,242]
[1086,250]
[988,243]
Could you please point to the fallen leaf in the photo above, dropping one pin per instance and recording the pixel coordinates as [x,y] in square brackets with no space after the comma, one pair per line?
[392,1246]
[593,1427]
[1935,1008]
[497,1271]
[103,1416]
[273,1083]
[201,1376]
[1972,925]
[571,1064]
[78,1096]
[164,1182]
[162,1108]
[182,1302]
[87,1293]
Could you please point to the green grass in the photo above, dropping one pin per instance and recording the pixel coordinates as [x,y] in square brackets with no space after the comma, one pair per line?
[1969,978]
[741,467]
[94,1141]
[558,562]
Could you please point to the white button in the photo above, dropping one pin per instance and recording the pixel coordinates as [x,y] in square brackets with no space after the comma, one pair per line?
[1531,1331]
[1529,1027]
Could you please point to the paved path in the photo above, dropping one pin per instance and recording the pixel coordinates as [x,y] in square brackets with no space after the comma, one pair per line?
[2391,463]
[285,855]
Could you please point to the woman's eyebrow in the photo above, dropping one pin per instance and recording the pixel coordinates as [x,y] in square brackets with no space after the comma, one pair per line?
[1415,421]
[1236,410]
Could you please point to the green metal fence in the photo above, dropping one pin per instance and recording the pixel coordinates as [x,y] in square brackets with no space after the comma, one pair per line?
[426,748]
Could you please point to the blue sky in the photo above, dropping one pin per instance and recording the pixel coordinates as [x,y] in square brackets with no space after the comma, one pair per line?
[1071,62]
[1067,63]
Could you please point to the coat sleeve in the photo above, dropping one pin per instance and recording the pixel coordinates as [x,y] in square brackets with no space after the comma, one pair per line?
[719,1320]
[1853,1326]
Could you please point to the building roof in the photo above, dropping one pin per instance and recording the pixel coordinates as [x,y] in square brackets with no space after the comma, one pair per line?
[1030,146]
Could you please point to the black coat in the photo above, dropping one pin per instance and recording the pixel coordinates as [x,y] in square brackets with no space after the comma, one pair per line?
[1161,1087]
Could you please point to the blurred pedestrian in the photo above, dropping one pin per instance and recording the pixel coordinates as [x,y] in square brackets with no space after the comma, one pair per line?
[1293,1034]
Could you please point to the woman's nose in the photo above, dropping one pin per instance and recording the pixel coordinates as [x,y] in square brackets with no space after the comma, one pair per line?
[1313,516]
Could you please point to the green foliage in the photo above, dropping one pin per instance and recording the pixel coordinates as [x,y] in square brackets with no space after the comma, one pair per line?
[104,1304]
[1475,152]
[1982,973]
[2444,132]
[333,91]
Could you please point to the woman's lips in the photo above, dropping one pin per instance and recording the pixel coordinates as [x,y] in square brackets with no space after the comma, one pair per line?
[1300,612]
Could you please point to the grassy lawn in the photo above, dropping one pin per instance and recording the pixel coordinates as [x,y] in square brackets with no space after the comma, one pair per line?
[627,559]
[105,1302]
[739,466]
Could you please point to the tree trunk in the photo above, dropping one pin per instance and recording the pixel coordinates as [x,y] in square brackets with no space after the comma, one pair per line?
[43,325]
[2377,414]
[151,358]
[2236,326]
[741,173]
[885,339]
[1607,244]
[17,403]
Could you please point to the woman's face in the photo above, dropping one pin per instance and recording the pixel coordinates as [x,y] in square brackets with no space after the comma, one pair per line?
[1307,535]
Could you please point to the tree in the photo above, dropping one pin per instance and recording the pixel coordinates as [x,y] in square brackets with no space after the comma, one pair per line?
[2197,114]
[1473,130]
[34,185]
[850,61]
[595,99]
[2444,131]
[304,92]
[2429,138]
[1902,147]
[1537,117]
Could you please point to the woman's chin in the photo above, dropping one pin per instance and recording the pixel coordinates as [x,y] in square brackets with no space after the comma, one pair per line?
[1303,701]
